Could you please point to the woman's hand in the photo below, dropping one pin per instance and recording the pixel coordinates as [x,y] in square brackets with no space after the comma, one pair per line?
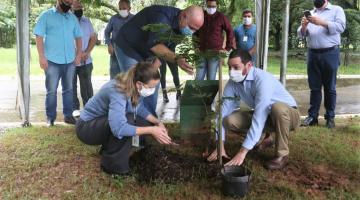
[160,134]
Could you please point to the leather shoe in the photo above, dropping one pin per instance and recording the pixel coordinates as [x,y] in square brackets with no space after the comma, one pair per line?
[277,163]
[310,121]
[69,120]
[330,123]
[178,95]
[266,143]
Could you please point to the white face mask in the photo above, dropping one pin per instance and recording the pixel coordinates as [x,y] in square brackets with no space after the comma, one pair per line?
[123,13]
[211,11]
[145,92]
[236,75]
[247,20]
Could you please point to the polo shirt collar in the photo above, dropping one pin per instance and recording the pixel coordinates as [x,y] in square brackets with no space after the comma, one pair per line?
[250,76]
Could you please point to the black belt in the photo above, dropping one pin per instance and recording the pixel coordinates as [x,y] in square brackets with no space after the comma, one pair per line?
[294,107]
[323,50]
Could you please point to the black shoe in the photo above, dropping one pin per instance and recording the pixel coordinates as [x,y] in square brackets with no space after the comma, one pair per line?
[70,120]
[330,123]
[178,95]
[310,121]
[50,123]
[115,174]
[165,97]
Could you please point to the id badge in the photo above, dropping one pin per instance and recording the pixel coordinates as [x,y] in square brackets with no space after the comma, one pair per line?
[245,38]
[135,141]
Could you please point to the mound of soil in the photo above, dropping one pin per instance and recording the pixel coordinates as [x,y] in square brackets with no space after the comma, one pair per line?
[156,164]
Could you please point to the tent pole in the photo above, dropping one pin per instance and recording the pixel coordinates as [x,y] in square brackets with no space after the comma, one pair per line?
[284,47]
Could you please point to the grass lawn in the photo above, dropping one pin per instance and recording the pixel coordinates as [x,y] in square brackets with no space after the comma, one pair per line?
[101,63]
[51,163]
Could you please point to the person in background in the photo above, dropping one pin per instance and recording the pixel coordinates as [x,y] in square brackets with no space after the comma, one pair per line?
[57,32]
[83,71]
[116,113]
[322,30]
[273,108]
[211,40]
[175,74]
[133,44]
[245,34]
[111,30]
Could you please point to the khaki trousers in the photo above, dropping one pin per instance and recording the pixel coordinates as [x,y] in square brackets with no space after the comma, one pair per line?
[282,119]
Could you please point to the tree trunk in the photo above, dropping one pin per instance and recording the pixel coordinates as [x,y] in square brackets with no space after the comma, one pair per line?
[278,37]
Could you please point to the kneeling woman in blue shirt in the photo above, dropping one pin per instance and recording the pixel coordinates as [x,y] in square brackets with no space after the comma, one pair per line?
[116,113]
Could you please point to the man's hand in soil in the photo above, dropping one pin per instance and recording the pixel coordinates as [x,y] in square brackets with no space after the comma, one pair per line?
[214,154]
[239,157]
[160,135]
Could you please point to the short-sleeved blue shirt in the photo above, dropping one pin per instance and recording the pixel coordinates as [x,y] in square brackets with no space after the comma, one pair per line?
[59,31]
[136,42]
[241,32]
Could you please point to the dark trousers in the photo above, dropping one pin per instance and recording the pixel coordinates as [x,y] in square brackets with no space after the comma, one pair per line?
[174,72]
[322,69]
[86,89]
[115,151]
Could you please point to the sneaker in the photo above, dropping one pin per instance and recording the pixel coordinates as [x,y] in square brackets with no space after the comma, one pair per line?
[50,123]
[165,97]
[310,121]
[69,120]
[76,113]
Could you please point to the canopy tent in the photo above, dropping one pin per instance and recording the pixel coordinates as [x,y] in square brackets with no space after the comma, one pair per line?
[23,52]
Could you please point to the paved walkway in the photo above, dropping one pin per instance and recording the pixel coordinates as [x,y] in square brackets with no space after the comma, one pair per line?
[348,92]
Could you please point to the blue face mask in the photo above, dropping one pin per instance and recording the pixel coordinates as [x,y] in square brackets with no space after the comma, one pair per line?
[186,31]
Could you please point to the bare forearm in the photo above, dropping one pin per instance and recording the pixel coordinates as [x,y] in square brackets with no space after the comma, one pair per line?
[91,45]
[143,130]
[164,52]
[153,119]
[78,46]
[40,46]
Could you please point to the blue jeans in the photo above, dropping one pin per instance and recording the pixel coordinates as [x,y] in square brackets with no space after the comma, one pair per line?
[125,62]
[53,74]
[207,67]
[322,69]
[86,89]
[114,66]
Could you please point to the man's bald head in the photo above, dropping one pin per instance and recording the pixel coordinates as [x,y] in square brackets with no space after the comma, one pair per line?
[195,16]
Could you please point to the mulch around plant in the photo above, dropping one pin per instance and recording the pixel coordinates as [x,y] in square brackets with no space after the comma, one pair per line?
[158,164]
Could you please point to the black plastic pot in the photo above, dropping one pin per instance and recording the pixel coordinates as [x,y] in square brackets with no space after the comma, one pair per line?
[235,180]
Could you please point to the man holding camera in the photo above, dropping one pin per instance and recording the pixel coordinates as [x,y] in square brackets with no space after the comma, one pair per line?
[322,28]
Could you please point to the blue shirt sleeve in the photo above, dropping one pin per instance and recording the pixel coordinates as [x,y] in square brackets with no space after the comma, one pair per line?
[40,26]
[141,110]
[108,30]
[338,25]
[77,30]
[264,91]
[117,116]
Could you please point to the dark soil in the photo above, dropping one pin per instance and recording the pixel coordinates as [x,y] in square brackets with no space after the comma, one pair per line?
[158,164]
